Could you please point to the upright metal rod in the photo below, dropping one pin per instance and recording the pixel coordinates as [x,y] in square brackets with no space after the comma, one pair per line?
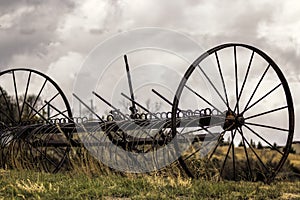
[91,110]
[130,84]
[145,109]
[110,105]
[164,98]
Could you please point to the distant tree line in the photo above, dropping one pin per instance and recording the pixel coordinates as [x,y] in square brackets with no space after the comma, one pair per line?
[13,110]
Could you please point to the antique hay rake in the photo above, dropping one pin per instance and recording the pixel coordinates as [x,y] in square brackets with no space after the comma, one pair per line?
[232,115]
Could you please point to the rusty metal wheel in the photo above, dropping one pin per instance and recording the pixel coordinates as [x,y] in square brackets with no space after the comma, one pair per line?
[249,133]
[35,108]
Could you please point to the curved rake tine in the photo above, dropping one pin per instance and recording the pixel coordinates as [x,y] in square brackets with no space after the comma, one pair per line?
[109,104]
[42,153]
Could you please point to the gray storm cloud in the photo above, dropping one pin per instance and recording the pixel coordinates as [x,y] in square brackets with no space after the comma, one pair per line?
[29,28]
[55,36]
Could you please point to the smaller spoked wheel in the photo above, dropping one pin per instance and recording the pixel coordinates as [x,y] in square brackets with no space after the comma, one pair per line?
[250,132]
[31,101]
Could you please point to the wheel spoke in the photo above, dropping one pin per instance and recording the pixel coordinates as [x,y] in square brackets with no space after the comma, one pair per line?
[267,126]
[252,149]
[16,94]
[246,104]
[59,112]
[246,153]
[211,83]
[25,95]
[217,145]
[219,141]
[222,79]
[33,143]
[273,147]
[262,97]
[260,80]
[245,79]
[37,97]
[233,155]
[36,112]
[236,79]
[227,154]
[267,112]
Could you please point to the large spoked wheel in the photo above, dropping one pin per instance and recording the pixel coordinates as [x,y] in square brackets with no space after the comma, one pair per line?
[249,132]
[32,101]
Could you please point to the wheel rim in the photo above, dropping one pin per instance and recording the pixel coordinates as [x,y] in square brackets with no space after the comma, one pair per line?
[254,97]
[32,103]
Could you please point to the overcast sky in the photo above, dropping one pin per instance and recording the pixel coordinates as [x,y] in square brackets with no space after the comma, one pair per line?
[55,36]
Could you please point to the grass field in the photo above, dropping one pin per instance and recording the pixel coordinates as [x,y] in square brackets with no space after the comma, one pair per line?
[90,179]
[87,181]
[37,185]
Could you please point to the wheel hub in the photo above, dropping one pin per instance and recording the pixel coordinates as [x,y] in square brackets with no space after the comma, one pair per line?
[233,121]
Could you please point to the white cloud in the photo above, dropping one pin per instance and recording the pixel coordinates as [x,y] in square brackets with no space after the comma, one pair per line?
[64,71]
[56,36]
[9,19]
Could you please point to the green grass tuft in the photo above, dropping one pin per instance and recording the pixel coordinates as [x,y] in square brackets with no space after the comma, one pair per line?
[39,185]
